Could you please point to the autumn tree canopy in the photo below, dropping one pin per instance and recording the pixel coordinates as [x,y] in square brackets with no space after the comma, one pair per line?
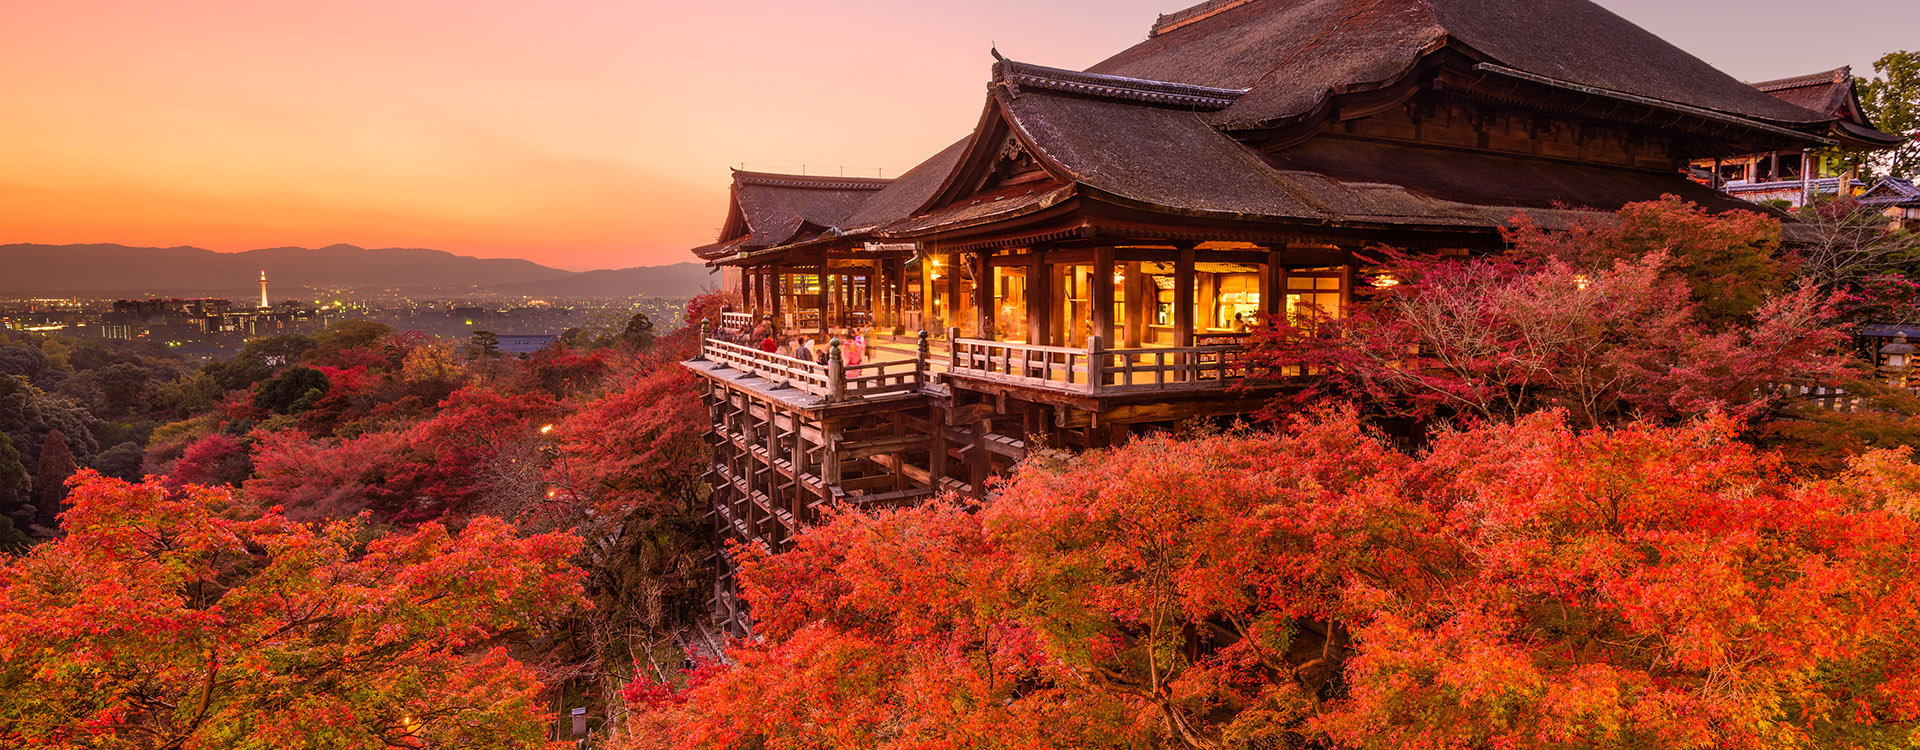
[181,619]
[1666,312]
[1517,586]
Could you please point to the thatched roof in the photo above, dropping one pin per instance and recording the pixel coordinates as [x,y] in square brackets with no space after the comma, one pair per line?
[1126,149]
[1292,55]
[772,209]
[1835,94]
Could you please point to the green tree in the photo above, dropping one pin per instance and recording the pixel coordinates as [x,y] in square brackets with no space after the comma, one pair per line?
[638,332]
[16,486]
[1892,101]
[289,391]
[260,360]
[346,335]
[50,483]
[485,344]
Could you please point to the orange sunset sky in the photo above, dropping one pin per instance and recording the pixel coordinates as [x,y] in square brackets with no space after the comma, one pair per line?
[577,134]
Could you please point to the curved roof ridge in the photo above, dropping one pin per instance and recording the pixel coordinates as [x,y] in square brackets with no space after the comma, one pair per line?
[1112,86]
[822,182]
[1354,44]
[1837,75]
[1170,21]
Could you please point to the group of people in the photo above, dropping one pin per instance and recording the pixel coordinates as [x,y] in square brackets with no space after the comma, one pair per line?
[853,344]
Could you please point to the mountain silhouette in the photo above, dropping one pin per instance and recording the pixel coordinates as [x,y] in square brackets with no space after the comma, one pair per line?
[27,269]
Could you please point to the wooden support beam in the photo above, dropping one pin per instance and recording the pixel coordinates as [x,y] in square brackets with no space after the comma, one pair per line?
[1183,303]
[964,415]
[899,296]
[1039,302]
[778,286]
[955,305]
[1139,306]
[980,458]
[1349,272]
[1103,266]
[937,457]
[983,291]
[1273,286]
[890,445]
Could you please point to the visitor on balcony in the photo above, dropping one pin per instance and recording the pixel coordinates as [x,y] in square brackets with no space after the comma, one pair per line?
[855,349]
[804,350]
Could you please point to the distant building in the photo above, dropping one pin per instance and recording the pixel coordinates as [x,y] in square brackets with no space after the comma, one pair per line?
[525,343]
[1796,175]
[1898,198]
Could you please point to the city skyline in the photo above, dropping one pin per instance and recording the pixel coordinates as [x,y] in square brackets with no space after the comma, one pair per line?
[578,135]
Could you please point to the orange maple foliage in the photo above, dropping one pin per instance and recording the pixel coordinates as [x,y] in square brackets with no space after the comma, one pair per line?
[181,619]
[1516,586]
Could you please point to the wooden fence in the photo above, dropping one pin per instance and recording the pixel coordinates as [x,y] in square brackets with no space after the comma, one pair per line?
[833,381]
[1096,370]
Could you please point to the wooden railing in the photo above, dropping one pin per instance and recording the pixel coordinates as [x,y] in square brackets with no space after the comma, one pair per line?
[882,378]
[1096,370]
[811,377]
[736,321]
[1056,367]
[833,381]
[1194,368]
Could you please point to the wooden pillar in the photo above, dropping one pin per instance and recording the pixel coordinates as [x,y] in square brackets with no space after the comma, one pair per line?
[771,439]
[762,292]
[750,290]
[1039,299]
[900,297]
[819,301]
[983,292]
[829,288]
[952,313]
[1349,271]
[1139,306]
[798,459]
[774,286]
[980,461]
[937,456]
[1273,286]
[1102,293]
[1183,276]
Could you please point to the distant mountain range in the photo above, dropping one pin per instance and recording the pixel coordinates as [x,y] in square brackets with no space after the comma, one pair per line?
[117,270]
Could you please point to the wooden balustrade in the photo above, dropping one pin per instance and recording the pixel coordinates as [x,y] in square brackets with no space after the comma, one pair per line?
[1180,369]
[807,376]
[736,321]
[832,381]
[1094,370]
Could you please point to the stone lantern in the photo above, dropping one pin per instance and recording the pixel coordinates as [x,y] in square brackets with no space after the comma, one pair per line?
[1896,359]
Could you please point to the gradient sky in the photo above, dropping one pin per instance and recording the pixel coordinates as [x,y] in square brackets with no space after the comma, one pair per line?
[578,134]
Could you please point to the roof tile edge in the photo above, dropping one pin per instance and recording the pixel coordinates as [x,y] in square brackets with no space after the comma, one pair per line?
[1195,14]
[1114,87]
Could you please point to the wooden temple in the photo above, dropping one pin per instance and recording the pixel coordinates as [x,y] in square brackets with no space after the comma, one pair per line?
[1801,175]
[1084,264]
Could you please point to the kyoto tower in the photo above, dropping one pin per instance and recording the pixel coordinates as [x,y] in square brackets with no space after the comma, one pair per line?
[263,289]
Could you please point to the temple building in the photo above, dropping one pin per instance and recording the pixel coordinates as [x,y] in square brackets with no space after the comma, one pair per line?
[1085,262]
[1899,199]
[1796,177]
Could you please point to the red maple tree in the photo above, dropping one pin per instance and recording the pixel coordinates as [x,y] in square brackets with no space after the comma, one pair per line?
[181,619]
[1523,585]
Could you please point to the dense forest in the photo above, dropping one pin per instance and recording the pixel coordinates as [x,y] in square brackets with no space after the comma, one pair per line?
[1560,497]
